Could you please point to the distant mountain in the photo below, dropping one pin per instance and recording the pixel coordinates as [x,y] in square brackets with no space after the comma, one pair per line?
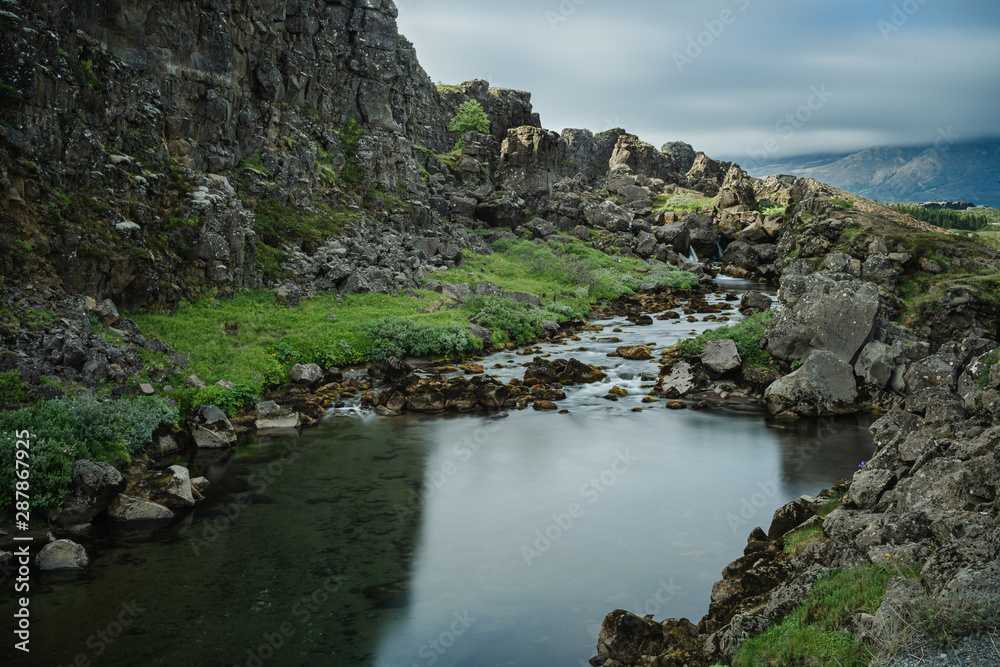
[965,170]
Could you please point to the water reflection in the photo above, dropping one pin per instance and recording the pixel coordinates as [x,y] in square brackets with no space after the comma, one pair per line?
[446,540]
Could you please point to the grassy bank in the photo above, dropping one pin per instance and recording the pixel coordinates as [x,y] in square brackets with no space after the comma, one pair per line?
[251,340]
[811,634]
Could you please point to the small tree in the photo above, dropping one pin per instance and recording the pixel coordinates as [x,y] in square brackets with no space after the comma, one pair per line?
[470,118]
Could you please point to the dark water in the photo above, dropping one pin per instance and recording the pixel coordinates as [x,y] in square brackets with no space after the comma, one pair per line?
[443,541]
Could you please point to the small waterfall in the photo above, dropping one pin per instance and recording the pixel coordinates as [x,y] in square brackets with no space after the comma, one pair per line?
[692,255]
[718,249]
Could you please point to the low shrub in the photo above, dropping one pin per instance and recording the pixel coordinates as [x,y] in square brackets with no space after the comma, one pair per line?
[668,276]
[506,318]
[63,431]
[746,334]
[395,336]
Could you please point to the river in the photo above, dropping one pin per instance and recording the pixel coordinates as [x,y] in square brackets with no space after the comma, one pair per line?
[451,540]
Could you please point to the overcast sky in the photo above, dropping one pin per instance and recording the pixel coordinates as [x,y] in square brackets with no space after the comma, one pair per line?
[731,77]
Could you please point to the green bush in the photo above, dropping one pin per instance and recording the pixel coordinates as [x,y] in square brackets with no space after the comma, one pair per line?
[395,336]
[505,317]
[503,245]
[563,310]
[746,334]
[470,118]
[13,389]
[63,431]
[668,276]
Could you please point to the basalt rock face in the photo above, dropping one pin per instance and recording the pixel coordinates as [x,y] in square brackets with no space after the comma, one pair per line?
[138,138]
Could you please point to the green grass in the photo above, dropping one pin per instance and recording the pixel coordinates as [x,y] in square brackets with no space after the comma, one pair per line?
[800,538]
[810,636]
[682,202]
[451,160]
[746,334]
[270,338]
[263,339]
[989,238]
[573,273]
[14,390]
[843,203]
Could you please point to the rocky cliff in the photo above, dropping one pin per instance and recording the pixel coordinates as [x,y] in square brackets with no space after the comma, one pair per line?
[140,139]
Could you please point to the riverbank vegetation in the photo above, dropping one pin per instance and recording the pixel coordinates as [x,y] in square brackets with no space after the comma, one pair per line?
[64,431]
[251,340]
[746,334]
[812,634]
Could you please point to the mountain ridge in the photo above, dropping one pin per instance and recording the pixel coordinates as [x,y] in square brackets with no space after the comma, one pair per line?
[946,170]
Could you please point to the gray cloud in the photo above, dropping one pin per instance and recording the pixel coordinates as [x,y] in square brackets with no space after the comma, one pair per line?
[724,74]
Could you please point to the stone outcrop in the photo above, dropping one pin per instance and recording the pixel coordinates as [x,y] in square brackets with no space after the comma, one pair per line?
[170,488]
[529,161]
[92,489]
[827,312]
[127,509]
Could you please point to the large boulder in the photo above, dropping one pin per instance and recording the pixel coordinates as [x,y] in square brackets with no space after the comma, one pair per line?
[125,508]
[307,374]
[607,215]
[210,428]
[754,302]
[272,419]
[170,488]
[824,385]
[737,190]
[95,484]
[588,154]
[62,555]
[720,357]
[707,175]
[836,316]
[876,364]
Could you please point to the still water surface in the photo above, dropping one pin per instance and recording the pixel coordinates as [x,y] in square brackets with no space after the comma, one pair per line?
[446,541]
